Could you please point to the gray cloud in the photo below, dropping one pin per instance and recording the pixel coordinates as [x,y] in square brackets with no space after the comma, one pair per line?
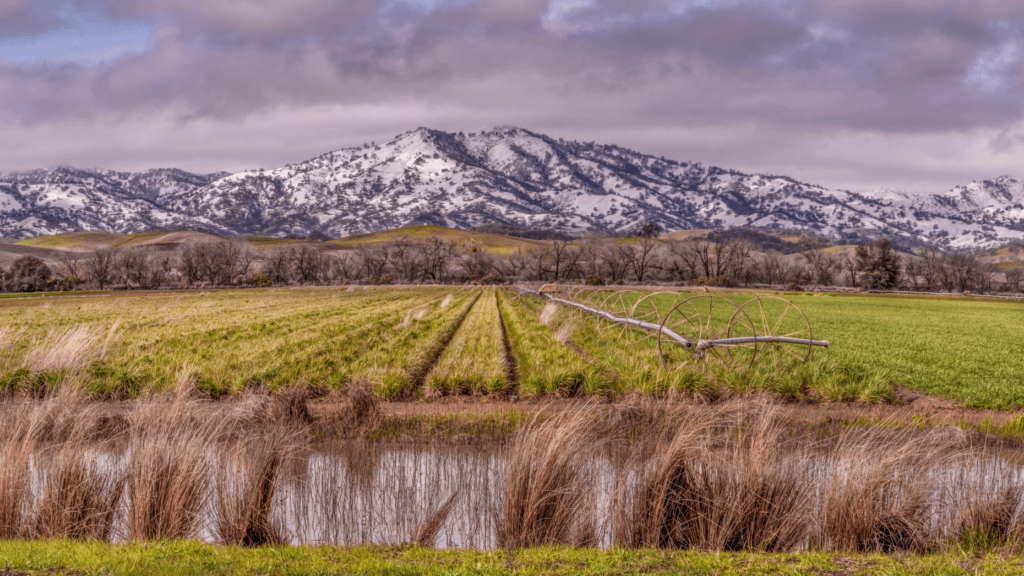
[18,18]
[798,71]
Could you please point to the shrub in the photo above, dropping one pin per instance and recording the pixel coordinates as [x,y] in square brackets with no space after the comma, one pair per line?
[260,280]
[595,280]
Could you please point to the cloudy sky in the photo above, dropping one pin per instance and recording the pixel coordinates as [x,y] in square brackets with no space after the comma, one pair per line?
[912,94]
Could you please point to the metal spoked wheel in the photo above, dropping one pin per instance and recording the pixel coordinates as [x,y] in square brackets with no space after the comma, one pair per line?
[648,309]
[678,335]
[702,319]
[618,303]
[775,317]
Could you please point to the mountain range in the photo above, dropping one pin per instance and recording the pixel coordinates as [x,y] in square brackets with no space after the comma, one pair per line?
[508,177]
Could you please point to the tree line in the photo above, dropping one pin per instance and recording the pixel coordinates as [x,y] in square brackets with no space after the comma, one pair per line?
[713,260]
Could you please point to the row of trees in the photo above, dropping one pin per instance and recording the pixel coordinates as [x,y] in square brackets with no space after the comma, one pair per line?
[643,259]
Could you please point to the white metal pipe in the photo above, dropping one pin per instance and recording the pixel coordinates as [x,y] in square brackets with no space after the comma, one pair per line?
[701,345]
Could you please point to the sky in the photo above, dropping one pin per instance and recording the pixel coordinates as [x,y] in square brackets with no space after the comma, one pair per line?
[915,95]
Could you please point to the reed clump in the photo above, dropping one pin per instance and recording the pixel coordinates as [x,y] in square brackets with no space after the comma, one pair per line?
[734,476]
[79,498]
[875,488]
[167,475]
[365,407]
[703,484]
[64,349]
[988,514]
[246,482]
[16,451]
[549,493]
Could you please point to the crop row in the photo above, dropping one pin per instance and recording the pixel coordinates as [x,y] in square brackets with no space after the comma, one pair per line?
[458,340]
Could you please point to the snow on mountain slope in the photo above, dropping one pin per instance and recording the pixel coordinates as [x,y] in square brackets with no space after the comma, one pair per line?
[68,200]
[505,176]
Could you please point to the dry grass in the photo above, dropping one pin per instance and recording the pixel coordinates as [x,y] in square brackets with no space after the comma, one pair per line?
[64,349]
[9,337]
[563,334]
[426,533]
[79,497]
[167,476]
[875,489]
[699,488]
[246,481]
[987,513]
[365,408]
[548,313]
[549,494]
[728,478]
[16,454]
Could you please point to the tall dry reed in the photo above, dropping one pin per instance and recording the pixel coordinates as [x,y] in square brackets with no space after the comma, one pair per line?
[875,489]
[168,473]
[16,449]
[64,349]
[712,484]
[426,532]
[246,482]
[79,497]
[985,504]
[549,495]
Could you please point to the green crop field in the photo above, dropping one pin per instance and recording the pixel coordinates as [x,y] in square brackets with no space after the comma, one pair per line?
[967,350]
[463,340]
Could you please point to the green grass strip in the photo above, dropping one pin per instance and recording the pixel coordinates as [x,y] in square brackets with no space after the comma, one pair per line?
[545,365]
[395,359]
[474,361]
[62,557]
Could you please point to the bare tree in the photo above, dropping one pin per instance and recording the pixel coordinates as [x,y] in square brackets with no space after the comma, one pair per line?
[823,265]
[557,256]
[589,261]
[219,263]
[1015,278]
[773,268]
[309,264]
[188,263]
[101,267]
[278,266]
[684,261]
[478,263]
[933,268]
[514,264]
[912,274]
[404,259]
[343,267]
[714,256]
[72,263]
[572,266]
[134,266]
[536,259]
[641,254]
[374,260]
[962,271]
[616,259]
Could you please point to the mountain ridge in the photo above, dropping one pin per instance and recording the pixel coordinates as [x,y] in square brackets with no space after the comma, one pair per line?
[502,177]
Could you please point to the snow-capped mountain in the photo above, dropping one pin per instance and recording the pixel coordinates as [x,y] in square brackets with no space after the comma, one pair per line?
[505,176]
[66,199]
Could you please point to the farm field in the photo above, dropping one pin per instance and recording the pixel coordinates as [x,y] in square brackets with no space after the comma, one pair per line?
[515,434]
[404,341]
